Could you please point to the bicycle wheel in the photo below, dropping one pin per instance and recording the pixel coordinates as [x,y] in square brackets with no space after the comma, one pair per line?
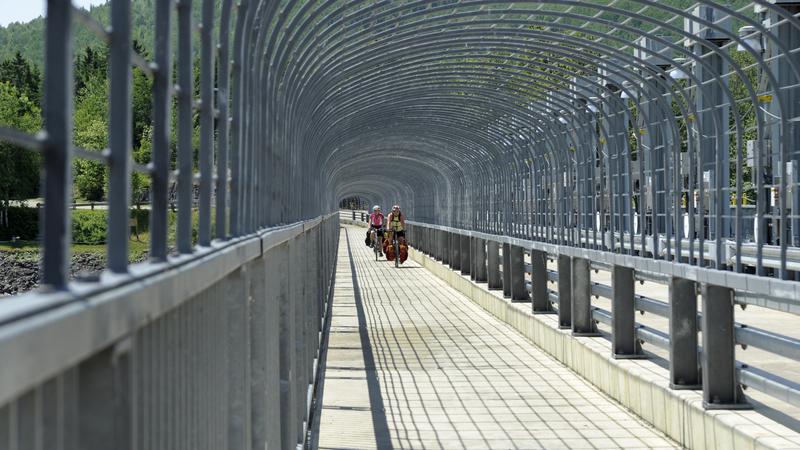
[396,254]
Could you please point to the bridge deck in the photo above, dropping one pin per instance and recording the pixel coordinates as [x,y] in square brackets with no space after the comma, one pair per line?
[411,363]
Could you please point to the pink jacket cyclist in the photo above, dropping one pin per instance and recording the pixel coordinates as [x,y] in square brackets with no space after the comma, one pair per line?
[376,218]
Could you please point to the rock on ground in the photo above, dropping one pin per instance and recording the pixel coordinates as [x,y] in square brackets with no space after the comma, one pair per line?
[19,270]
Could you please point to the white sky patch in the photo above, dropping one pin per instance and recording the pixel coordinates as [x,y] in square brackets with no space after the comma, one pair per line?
[27,10]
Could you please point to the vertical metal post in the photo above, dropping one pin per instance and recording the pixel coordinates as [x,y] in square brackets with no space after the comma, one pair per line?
[624,344]
[309,337]
[119,137]
[582,322]
[720,388]
[564,292]
[206,162]
[440,245]
[713,118]
[506,270]
[260,352]
[237,121]
[162,117]
[431,242]
[480,261]
[57,179]
[299,293]
[494,278]
[238,344]
[541,299]
[185,96]
[684,369]
[519,292]
[223,97]
[455,251]
[472,255]
[466,255]
[285,255]
[104,400]
[653,145]
[445,247]
[435,242]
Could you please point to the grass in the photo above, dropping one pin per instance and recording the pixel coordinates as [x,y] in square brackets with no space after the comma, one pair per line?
[136,249]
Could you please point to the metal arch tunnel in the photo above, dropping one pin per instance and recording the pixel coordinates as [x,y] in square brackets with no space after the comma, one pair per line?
[658,141]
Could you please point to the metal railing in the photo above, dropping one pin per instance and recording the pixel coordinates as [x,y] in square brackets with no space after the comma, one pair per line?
[709,365]
[637,135]
[219,349]
[211,344]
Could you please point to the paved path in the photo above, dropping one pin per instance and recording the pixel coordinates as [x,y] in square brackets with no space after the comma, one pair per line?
[411,363]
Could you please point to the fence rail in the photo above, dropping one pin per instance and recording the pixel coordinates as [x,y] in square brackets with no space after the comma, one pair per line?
[500,261]
[214,350]
[653,141]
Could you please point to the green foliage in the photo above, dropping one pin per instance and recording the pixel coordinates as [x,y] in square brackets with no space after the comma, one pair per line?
[172,225]
[24,76]
[142,108]
[747,113]
[91,133]
[91,123]
[89,226]
[19,167]
[140,183]
[90,65]
[28,38]
[22,222]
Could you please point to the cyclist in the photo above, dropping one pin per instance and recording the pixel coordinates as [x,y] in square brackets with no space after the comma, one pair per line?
[396,223]
[376,220]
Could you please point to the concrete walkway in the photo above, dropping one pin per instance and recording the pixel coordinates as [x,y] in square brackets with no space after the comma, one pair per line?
[411,363]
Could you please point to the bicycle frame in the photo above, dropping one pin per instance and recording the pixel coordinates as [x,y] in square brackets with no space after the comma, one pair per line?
[376,244]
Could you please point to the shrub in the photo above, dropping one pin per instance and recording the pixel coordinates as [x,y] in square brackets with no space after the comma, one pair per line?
[22,222]
[88,226]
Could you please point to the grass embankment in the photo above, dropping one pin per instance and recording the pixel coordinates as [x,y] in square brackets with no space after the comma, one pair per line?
[137,249]
[89,231]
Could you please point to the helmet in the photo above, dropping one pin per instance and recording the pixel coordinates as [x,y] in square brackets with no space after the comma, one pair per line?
[396,207]
[376,207]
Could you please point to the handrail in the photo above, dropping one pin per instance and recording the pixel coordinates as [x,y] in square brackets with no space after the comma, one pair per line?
[449,244]
[754,285]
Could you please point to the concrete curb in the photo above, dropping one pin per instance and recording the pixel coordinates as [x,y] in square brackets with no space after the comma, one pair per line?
[357,223]
[640,385]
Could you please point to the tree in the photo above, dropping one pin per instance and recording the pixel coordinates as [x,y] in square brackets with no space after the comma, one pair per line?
[142,100]
[91,133]
[92,64]
[140,183]
[19,167]
[24,76]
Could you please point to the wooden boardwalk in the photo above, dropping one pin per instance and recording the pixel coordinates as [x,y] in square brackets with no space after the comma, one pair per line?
[411,363]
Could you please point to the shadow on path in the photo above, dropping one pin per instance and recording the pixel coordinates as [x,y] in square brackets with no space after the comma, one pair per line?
[383,439]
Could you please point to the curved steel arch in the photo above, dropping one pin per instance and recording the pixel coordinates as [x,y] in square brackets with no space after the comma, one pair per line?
[632,133]
[534,117]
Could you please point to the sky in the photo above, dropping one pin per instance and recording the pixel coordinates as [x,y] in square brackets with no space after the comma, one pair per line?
[26,10]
